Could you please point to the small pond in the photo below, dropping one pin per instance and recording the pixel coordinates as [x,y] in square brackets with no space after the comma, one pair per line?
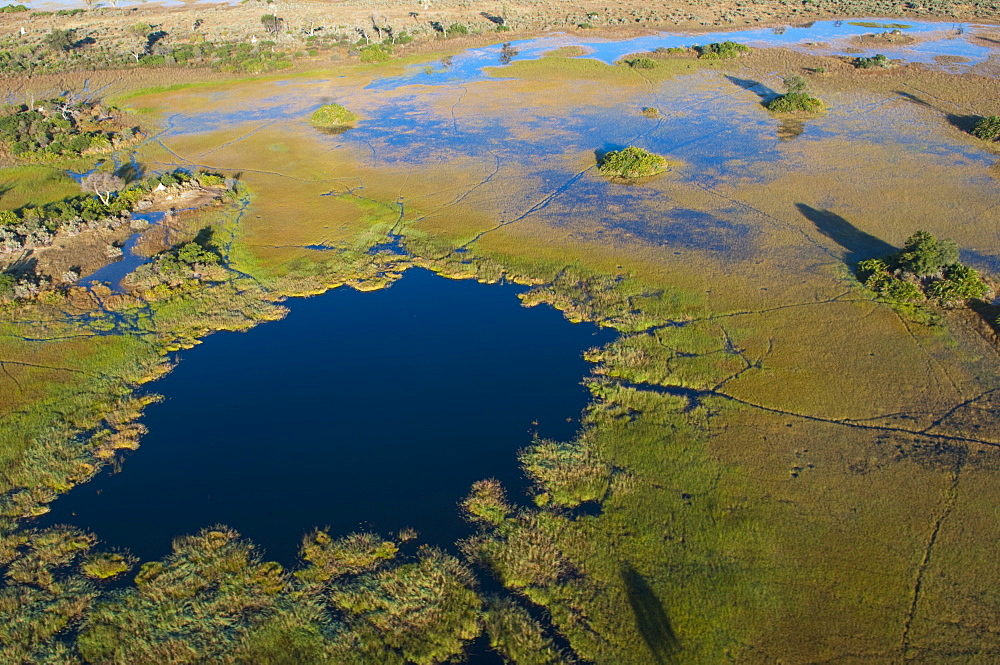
[358,411]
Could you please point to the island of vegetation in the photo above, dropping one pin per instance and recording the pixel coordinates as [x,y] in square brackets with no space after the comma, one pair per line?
[332,116]
[926,269]
[722,50]
[987,129]
[797,98]
[632,162]
[877,61]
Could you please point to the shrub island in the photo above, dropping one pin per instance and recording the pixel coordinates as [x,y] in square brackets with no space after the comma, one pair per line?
[926,269]
[332,116]
[796,100]
[631,163]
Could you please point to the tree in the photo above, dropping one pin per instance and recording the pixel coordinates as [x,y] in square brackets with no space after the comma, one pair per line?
[272,24]
[61,40]
[923,254]
[103,184]
[139,34]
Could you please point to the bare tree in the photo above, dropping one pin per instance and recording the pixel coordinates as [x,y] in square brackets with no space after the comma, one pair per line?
[103,184]
[379,22]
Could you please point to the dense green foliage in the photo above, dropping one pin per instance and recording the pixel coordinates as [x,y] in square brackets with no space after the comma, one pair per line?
[632,162]
[376,53]
[56,128]
[13,9]
[722,50]
[641,63]
[987,128]
[796,100]
[517,636]
[61,40]
[332,115]
[926,268]
[877,61]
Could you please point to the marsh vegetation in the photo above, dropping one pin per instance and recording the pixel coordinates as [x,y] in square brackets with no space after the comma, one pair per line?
[925,269]
[632,162]
[796,99]
[724,453]
[332,116]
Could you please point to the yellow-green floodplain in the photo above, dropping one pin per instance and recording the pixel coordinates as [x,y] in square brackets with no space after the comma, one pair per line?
[777,465]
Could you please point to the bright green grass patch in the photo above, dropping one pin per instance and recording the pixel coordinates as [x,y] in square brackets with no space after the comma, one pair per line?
[332,115]
[35,186]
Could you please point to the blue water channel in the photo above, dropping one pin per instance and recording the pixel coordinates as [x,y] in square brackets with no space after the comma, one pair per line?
[371,411]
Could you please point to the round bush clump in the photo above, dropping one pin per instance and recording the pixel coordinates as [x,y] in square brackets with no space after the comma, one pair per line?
[332,115]
[632,162]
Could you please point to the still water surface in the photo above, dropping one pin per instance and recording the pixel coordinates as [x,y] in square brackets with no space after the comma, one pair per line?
[357,411]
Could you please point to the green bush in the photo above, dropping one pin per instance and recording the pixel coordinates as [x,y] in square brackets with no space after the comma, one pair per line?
[721,50]
[925,267]
[641,63]
[457,29]
[796,100]
[376,53]
[332,115]
[987,128]
[875,61]
[960,283]
[632,162]
[13,9]
[206,179]
[923,254]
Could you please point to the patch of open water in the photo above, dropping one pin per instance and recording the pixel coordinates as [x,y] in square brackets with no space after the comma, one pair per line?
[358,411]
[933,39]
[113,273]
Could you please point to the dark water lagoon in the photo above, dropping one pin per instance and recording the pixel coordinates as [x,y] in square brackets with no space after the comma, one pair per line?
[358,411]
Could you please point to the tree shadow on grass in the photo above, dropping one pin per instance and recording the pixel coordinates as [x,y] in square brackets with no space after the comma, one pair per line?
[857,244]
[651,619]
[963,122]
[765,93]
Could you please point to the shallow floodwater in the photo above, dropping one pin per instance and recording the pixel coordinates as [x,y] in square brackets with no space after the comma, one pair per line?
[358,411]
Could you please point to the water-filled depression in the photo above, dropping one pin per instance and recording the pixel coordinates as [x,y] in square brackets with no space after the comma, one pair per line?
[357,411]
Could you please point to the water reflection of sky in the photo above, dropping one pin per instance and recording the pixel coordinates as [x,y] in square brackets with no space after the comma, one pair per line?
[713,123]
[820,37]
